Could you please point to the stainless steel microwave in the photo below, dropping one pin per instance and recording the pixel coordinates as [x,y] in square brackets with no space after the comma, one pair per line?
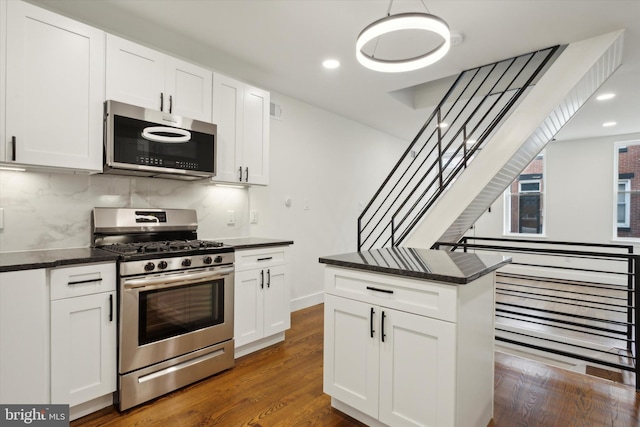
[152,143]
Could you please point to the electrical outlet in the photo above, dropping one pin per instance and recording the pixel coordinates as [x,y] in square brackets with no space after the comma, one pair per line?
[1,218]
[306,205]
[231,217]
[253,217]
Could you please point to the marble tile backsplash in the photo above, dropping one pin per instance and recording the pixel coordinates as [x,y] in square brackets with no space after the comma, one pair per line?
[52,210]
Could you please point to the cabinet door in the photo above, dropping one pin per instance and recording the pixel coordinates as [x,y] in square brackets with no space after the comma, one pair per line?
[135,74]
[255,143]
[24,337]
[227,114]
[417,370]
[351,356]
[83,348]
[189,88]
[277,316]
[248,307]
[55,89]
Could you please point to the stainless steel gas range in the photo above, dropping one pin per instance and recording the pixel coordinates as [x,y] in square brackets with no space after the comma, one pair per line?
[175,296]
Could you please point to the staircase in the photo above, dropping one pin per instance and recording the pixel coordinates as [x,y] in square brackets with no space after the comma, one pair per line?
[488,127]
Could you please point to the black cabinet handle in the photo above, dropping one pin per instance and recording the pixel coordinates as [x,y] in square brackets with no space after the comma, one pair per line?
[78,282]
[382,326]
[246,179]
[371,322]
[13,148]
[261,279]
[240,170]
[110,307]
[161,101]
[268,278]
[265,259]
[386,291]
[170,104]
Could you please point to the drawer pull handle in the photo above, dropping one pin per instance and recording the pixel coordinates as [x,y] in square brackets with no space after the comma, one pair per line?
[386,291]
[110,307]
[265,259]
[78,282]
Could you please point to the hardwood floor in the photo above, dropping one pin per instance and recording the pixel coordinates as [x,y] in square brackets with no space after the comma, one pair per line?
[282,386]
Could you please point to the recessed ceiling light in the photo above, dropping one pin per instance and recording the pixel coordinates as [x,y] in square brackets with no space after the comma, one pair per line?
[605,96]
[608,124]
[331,63]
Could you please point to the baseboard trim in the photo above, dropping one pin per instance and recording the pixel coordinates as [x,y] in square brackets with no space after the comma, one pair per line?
[307,301]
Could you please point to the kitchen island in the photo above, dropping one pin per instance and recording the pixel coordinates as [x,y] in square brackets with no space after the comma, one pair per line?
[409,336]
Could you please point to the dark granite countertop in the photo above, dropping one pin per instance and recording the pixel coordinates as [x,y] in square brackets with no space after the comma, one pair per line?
[28,260]
[253,242]
[441,266]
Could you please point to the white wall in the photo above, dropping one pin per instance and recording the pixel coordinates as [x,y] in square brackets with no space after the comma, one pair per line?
[318,156]
[333,163]
[579,181]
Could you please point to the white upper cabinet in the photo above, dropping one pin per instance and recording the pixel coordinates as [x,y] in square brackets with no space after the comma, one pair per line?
[54,90]
[242,115]
[147,78]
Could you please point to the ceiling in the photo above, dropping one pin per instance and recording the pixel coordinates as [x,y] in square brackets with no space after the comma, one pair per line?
[280,44]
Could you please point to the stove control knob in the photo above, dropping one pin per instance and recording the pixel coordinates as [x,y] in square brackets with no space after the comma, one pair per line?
[162,265]
[186,262]
[207,260]
[149,266]
[217,259]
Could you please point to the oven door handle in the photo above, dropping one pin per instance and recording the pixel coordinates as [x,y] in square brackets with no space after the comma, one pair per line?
[169,279]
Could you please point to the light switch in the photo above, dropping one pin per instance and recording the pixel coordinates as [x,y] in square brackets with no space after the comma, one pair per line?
[253,217]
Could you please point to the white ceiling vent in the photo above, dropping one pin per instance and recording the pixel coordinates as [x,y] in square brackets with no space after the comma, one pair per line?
[275,111]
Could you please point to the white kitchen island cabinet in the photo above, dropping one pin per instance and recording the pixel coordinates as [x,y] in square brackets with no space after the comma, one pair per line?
[262,310]
[144,77]
[54,71]
[409,337]
[242,115]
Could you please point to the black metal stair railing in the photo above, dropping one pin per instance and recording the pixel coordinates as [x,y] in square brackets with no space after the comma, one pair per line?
[464,120]
[566,300]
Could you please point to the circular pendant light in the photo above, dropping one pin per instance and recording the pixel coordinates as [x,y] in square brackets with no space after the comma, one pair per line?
[403,21]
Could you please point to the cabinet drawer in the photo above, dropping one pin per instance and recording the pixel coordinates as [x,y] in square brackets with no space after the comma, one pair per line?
[81,280]
[422,297]
[247,259]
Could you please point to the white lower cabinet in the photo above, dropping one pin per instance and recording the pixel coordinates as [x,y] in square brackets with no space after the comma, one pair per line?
[262,298]
[388,366]
[83,333]
[398,370]
[24,337]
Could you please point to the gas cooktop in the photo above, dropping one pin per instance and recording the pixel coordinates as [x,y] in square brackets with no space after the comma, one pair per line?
[167,246]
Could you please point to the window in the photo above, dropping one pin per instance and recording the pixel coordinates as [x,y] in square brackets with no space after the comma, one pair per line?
[524,200]
[624,203]
[627,194]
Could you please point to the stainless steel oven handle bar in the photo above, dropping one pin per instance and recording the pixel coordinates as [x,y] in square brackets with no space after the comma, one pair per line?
[172,279]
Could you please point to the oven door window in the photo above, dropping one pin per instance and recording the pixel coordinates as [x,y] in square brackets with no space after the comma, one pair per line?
[166,313]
